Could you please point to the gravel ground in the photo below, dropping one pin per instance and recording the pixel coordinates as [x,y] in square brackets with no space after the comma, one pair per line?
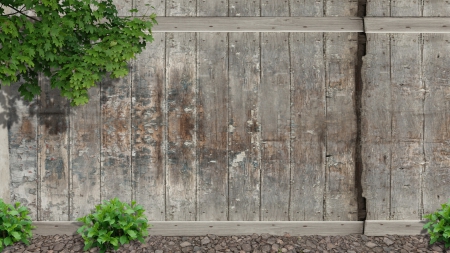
[241,244]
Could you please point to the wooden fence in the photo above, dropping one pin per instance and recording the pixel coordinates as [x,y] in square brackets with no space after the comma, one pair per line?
[253,126]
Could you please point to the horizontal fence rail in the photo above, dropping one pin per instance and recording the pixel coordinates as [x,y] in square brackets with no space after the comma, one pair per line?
[406,25]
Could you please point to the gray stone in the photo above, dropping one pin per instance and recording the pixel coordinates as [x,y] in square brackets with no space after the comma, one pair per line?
[59,246]
[246,247]
[387,241]
[371,245]
[205,240]
[185,244]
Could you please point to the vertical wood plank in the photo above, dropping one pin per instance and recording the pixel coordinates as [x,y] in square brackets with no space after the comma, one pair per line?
[181,147]
[437,119]
[244,155]
[407,118]
[22,135]
[244,129]
[341,53]
[306,8]
[212,123]
[244,8]
[116,139]
[378,8]
[275,126]
[376,127]
[85,156]
[308,126]
[275,8]
[181,8]
[123,7]
[5,172]
[144,7]
[148,128]
[436,176]
[53,156]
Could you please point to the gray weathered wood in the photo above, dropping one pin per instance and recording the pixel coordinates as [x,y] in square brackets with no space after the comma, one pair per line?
[275,8]
[406,25]
[22,134]
[244,8]
[376,127]
[378,8]
[436,177]
[308,133]
[224,228]
[212,132]
[405,8]
[436,8]
[116,139]
[144,7]
[53,155]
[306,8]
[393,227]
[259,24]
[181,8]
[340,53]
[123,7]
[275,126]
[5,174]
[407,126]
[148,128]
[84,163]
[244,127]
[181,135]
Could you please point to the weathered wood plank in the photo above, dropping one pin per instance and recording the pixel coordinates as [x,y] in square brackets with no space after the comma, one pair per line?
[212,8]
[148,128]
[244,8]
[244,129]
[306,8]
[212,132]
[436,8]
[407,25]
[147,7]
[259,24]
[5,174]
[436,177]
[181,136]
[393,227]
[123,7]
[407,126]
[116,139]
[378,8]
[226,228]
[275,8]
[275,126]
[84,141]
[53,155]
[181,8]
[22,134]
[376,127]
[308,134]
[340,54]
[406,8]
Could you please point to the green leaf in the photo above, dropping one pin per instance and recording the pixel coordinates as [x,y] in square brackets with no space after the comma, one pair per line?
[7,241]
[123,240]
[16,235]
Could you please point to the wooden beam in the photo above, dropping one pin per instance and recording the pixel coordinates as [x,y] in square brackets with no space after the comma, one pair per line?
[222,228]
[391,227]
[258,24]
[407,25]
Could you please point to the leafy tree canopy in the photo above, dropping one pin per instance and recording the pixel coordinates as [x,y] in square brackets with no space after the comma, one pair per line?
[73,42]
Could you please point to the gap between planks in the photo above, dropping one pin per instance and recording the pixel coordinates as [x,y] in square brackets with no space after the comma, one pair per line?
[227,228]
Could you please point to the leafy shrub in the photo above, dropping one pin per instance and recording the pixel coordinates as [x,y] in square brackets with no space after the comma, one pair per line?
[15,224]
[439,225]
[113,224]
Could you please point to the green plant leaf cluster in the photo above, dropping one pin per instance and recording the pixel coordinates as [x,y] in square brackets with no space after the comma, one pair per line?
[113,224]
[15,224]
[73,42]
[438,225]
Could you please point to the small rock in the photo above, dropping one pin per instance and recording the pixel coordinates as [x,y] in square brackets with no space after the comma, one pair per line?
[171,243]
[197,248]
[310,244]
[185,244]
[275,247]
[306,250]
[265,236]
[387,241]
[59,246]
[266,248]
[205,240]
[159,251]
[371,245]
[246,247]
[330,246]
[271,240]
[351,251]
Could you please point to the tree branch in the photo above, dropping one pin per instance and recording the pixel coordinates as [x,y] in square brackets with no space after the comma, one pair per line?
[20,11]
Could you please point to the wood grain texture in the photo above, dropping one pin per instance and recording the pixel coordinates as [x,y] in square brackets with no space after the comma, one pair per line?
[378,8]
[306,8]
[144,7]
[123,7]
[340,54]
[84,142]
[22,134]
[148,128]
[406,8]
[308,133]
[259,24]
[181,8]
[407,126]
[436,8]
[376,127]
[436,177]
[116,139]
[244,127]
[275,126]
[244,8]
[212,132]
[397,227]
[181,131]
[407,25]
[225,228]
[5,174]
[275,8]
[53,155]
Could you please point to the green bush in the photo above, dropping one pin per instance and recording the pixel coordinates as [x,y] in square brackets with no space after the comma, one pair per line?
[15,224]
[439,225]
[113,224]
